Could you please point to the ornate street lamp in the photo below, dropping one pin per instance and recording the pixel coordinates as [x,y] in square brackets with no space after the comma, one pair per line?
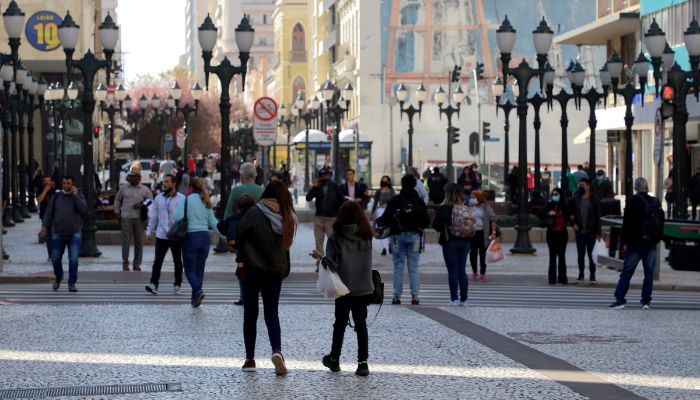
[401,96]
[537,100]
[506,102]
[88,65]
[8,85]
[163,114]
[60,103]
[288,121]
[134,117]
[111,110]
[244,36]
[335,112]
[449,111]
[310,115]
[22,108]
[39,90]
[187,109]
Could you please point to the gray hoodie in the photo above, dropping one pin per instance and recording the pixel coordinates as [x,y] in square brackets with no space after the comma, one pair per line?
[64,213]
[351,257]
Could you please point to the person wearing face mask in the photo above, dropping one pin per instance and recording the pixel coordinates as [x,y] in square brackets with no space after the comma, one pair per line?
[585,218]
[475,177]
[556,214]
[381,199]
[328,198]
[602,188]
[465,182]
[127,206]
[485,220]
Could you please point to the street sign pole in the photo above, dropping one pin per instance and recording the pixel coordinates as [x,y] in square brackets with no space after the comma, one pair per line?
[659,160]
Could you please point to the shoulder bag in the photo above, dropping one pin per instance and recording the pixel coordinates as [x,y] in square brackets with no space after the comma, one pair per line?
[178,230]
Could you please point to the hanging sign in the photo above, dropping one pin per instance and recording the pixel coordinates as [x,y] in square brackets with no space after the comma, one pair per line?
[41,30]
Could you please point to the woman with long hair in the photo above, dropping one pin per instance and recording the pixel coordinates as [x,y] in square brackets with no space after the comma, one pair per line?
[555,214]
[381,199]
[485,220]
[349,253]
[195,246]
[266,233]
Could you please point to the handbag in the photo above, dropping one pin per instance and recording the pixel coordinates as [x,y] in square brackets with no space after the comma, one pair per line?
[178,230]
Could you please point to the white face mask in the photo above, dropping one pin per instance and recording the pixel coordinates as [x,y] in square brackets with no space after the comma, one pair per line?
[473,201]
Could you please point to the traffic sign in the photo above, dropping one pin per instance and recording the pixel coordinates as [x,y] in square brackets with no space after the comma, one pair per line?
[265,121]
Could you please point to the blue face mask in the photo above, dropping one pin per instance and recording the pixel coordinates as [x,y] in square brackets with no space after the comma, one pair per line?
[473,201]
[555,198]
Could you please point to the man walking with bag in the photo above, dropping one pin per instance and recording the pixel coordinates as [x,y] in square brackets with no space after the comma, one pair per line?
[159,222]
[642,229]
[127,205]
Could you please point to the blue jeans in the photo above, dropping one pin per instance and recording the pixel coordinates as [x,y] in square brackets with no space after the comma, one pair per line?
[195,249]
[58,246]
[455,253]
[647,254]
[584,245]
[406,245]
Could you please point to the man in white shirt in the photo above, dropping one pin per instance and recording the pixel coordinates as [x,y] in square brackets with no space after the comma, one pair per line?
[159,221]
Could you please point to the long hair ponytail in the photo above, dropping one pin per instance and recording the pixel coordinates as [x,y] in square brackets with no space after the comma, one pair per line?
[198,187]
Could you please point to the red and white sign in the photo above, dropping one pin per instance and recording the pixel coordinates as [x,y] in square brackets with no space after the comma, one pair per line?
[265,121]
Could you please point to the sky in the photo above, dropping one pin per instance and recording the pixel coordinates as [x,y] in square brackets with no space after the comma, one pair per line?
[152,35]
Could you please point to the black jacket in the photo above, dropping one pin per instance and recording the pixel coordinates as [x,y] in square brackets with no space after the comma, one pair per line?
[359,193]
[593,213]
[436,186]
[694,187]
[328,197]
[633,218]
[603,190]
[265,256]
[420,221]
[554,206]
[441,222]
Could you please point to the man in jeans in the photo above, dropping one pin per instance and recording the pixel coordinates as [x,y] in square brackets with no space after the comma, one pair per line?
[408,216]
[585,218]
[160,220]
[64,218]
[328,198]
[127,205]
[641,244]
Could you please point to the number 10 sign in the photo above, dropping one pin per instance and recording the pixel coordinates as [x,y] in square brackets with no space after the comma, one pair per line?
[42,30]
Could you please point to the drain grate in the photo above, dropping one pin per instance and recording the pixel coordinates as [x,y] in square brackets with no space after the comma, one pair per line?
[89,390]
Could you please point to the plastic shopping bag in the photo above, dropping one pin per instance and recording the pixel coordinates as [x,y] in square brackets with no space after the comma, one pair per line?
[494,252]
[599,250]
[330,285]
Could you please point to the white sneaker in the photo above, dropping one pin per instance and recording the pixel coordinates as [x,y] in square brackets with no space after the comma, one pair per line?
[463,303]
[453,303]
[278,362]
[151,288]
[646,307]
[176,289]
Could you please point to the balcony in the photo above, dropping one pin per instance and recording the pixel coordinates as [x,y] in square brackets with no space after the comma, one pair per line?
[297,56]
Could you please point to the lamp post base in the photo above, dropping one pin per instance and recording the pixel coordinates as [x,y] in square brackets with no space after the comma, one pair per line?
[88,247]
[17,214]
[522,241]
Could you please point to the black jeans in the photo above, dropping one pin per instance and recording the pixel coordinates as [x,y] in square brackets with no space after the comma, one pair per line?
[694,205]
[358,307]
[270,289]
[557,241]
[584,245]
[477,247]
[162,246]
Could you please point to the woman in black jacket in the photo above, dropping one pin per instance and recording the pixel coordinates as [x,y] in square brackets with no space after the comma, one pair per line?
[349,253]
[266,233]
[555,214]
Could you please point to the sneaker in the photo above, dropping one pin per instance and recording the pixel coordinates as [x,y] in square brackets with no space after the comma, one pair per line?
[198,300]
[362,369]
[593,279]
[249,366]
[474,276]
[278,361]
[72,289]
[176,289]
[646,306]
[56,284]
[463,303]
[151,288]
[414,301]
[331,363]
[384,251]
[617,305]
[137,268]
[125,267]
[580,278]
[484,278]
[396,300]
[453,303]
[239,302]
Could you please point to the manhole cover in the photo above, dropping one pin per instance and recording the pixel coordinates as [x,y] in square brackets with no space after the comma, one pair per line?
[552,338]
[89,390]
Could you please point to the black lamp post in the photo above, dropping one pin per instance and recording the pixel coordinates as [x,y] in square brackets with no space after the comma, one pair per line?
[402,95]
[23,169]
[449,111]
[335,112]
[288,121]
[89,65]
[506,102]
[537,101]
[134,117]
[15,123]
[60,103]
[186,110]
[111,110]
[6,74]
[310,115]
[39,90]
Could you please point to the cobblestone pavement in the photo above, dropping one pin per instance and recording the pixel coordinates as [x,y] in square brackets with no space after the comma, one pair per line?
[411,356]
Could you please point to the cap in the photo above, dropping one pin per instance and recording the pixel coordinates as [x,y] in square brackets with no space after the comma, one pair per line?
[324,170]
[600,172]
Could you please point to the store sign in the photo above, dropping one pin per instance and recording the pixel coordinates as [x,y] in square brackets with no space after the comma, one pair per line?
[614,136]
[41,30]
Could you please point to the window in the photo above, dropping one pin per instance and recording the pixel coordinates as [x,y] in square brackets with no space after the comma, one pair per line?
[264,19]
[299,85]
[263,41]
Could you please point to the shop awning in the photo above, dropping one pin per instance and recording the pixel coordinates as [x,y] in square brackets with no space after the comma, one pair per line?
[348,135]
[608,119]
[314,136]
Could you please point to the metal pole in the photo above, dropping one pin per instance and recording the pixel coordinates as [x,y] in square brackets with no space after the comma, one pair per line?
[306,160]
[30,131]
[450,137]
[23,179]
[659,191]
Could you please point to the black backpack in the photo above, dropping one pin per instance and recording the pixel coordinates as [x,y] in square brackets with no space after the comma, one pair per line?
[377,297]
[652,228]
[409,215]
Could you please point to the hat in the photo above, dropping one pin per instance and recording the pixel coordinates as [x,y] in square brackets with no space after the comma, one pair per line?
[325,171]
[135,170]
[600,172]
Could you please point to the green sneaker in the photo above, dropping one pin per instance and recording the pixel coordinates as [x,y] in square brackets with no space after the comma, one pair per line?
[362,369]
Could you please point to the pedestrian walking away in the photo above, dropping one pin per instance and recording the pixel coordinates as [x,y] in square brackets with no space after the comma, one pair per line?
[128,206]
[407,215]
[555,215]
[266,233]
[668,188]
[328,198]
[44,197]
[585,218]
[159,222]
[642,229]
[196,244]
[455,223]
[381,200]
[230,228]
[436,186]
[63,218]
[485,221]
[349,254]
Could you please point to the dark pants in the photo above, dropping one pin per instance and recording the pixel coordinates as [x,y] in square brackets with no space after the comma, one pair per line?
[477,247]
[694,203]
[58,246]
[633,254]
[358,307]
[557,241]
[455,254]
[162,246]
[270,291]
[195,249]
[49,239]
[584,245]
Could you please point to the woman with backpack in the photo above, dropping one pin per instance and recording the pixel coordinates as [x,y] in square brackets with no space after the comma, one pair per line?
[381,199]
[456,224]
[485,221]
[349,254]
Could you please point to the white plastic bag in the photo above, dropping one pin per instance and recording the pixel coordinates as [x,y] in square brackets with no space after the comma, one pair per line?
[494,252]
[330,285]
[599,250]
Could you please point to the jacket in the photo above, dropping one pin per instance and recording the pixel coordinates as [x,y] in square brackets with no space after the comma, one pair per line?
[436,188]
[199,217]
[64,214]
[555,206]
[264,248]
[351,257]
[603,189]
[129,195]
[328,197]
[160,216]
[633,218]
[694,187]
[593,214]
[359,193]
[422,220]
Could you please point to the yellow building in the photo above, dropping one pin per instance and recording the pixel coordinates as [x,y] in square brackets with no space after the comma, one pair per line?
[290,65]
